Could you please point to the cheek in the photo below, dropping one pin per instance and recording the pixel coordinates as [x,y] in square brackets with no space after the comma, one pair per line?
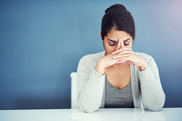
[130,46]
[109,49]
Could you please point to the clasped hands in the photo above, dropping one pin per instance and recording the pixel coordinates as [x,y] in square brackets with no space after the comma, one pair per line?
[124,54]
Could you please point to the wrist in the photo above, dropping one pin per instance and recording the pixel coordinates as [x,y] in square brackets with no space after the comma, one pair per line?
[143,66]
[100,67]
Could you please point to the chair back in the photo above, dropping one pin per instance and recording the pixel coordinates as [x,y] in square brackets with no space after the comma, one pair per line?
[74,104]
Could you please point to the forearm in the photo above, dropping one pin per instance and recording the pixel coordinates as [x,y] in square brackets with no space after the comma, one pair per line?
[153,96]
[90,97]
[100,67]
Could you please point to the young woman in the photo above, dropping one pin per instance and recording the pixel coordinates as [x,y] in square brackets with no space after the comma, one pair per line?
[118,77]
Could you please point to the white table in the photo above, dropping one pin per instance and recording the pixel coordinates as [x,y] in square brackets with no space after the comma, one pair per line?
[109,114]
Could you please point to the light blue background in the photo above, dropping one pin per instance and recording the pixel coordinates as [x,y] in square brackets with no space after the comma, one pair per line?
[41,43]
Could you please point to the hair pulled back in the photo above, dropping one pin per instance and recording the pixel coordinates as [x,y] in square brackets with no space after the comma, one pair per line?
[118,17]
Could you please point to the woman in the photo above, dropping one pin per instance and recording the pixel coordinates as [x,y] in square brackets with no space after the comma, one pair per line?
[118,77]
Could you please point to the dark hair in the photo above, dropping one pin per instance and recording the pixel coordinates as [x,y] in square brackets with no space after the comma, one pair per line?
[117,16]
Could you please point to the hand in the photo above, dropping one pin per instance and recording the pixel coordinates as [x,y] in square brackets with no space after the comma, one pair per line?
[105,62]
[108,60]
[127,56]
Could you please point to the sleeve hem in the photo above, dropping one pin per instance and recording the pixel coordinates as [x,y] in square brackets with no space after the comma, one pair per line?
[97,74]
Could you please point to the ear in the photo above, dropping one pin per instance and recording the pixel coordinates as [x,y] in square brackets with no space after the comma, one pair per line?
[101,36]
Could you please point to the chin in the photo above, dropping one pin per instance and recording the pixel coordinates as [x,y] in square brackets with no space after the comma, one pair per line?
[106,53]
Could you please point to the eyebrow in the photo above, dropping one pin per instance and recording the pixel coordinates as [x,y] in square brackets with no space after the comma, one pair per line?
[116,41]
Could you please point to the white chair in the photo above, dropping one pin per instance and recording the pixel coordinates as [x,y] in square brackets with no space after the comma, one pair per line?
[74,104]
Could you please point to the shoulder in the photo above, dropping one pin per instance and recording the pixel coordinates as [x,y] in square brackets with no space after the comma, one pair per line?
[92,58]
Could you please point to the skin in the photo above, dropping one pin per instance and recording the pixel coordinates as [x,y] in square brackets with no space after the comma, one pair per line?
[118,57]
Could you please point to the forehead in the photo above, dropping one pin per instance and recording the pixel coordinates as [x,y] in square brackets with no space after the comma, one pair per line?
[115,34]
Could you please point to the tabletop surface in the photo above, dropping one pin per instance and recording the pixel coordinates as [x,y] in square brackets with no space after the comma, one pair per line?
[118,114]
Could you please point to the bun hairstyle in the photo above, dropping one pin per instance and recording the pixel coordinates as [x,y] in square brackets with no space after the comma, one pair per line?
[118,17]
[116,6]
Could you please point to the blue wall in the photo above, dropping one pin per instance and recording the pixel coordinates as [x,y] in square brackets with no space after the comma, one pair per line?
[41,43]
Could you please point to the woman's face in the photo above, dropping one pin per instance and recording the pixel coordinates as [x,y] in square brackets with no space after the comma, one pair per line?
[111,40]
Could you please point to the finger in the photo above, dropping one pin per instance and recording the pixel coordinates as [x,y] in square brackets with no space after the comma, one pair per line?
[126,47]
[117,51]
[122,55]
[120,50]
[130,62]
[122,61]
[127,51]
[121,42]
[118,45]
[125,61]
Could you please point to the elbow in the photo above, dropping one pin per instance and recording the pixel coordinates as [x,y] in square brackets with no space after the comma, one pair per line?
[153,108]
[87,106]
[155,105]
[88,109]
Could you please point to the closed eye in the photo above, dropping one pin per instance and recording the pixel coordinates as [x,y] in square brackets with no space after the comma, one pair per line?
[112,43]
[126,43]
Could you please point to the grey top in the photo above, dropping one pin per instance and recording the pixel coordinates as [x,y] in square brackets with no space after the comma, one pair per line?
[146,85]
[118,98]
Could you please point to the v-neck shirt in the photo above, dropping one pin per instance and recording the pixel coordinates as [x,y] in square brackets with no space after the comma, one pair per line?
[118,98]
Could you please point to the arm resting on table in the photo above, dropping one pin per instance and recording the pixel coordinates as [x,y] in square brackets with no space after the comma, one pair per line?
[153,97]
[90,87]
